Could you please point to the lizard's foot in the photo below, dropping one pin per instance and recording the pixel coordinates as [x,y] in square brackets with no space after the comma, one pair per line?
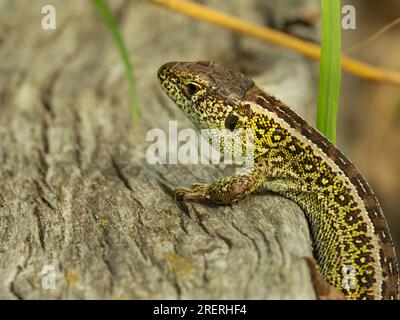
[198,191]
[226,190]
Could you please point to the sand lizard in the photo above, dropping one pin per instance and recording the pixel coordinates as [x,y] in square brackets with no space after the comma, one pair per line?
[293,159]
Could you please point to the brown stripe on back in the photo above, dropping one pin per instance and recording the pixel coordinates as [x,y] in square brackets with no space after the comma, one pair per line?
[389,261]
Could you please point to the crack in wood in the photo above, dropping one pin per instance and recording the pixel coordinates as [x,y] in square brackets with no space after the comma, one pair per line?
[120,174]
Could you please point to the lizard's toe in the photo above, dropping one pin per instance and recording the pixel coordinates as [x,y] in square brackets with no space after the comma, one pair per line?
[197,192]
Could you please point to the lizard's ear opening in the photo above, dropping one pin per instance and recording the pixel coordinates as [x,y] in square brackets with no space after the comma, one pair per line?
[231,121]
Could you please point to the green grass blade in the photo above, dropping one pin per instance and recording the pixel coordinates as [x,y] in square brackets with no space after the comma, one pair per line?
[330,69]
[112,25]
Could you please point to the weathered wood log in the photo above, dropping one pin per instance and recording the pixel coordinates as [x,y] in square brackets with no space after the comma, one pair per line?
[77,196]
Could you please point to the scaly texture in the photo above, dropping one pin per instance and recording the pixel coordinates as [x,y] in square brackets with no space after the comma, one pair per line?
[352,242]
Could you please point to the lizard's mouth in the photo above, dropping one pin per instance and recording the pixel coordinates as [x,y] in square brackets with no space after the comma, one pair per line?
[167,79]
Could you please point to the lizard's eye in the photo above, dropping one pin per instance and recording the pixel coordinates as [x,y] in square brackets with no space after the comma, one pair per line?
[192,88]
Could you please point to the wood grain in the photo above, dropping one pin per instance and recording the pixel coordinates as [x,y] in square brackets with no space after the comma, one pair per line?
[76,192]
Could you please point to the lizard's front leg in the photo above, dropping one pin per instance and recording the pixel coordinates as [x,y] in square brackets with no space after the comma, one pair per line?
[226,190]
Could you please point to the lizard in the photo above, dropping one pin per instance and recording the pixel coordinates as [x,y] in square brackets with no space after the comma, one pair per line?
[291,158]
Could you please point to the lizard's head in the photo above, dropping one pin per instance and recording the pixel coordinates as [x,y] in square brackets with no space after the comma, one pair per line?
[206,92]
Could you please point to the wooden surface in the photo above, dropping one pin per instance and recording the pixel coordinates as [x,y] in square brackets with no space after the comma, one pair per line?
[76,191]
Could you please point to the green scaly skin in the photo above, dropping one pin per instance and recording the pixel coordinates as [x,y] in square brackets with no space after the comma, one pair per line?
[352,243]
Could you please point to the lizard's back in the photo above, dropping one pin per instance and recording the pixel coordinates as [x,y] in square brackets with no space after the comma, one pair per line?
[352,242]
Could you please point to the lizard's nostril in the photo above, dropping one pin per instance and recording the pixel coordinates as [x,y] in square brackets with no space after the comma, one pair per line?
[164,68]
